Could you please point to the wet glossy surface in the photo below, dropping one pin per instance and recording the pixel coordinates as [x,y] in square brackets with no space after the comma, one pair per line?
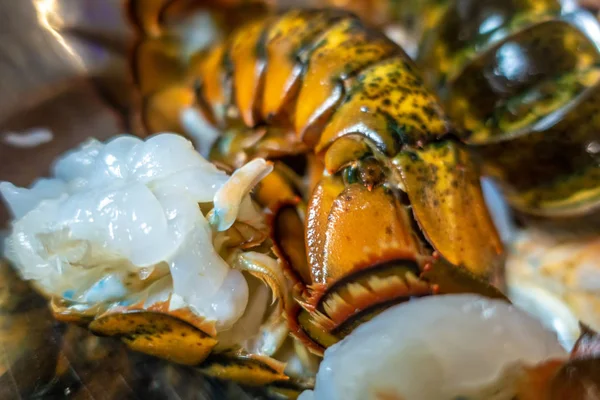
[520,80]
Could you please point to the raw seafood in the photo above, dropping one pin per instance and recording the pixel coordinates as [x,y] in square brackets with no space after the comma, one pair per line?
[437,347]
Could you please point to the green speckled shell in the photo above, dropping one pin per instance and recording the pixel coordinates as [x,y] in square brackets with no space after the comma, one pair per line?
[521,81]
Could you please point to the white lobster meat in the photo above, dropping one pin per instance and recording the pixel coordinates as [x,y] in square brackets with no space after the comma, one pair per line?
[436,348]
[126,216]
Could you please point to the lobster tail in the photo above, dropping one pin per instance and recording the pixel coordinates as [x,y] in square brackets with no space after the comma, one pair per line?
[321,81]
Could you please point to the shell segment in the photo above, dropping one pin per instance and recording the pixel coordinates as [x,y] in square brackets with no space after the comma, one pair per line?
[247,56]
[339,53]
[287,39]
[157,334]
[388,105]
[444,190]
[209,68]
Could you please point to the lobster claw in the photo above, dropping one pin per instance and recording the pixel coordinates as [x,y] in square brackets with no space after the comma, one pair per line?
[362,258]
[443,186]
[362,228]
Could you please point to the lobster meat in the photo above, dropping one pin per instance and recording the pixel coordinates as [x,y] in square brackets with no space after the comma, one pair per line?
[389,185]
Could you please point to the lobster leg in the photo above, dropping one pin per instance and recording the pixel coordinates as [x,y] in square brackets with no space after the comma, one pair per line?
[157,334]
[287,228]
[251,370]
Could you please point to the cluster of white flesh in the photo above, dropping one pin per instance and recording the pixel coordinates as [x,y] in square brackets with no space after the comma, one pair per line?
[125,217]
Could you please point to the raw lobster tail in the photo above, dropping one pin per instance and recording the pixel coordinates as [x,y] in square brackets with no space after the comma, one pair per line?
[321,83]
[521,79]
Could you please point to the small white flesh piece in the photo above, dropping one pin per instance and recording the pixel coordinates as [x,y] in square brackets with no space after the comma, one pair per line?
[118,216]
[229,198]
[436,348]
